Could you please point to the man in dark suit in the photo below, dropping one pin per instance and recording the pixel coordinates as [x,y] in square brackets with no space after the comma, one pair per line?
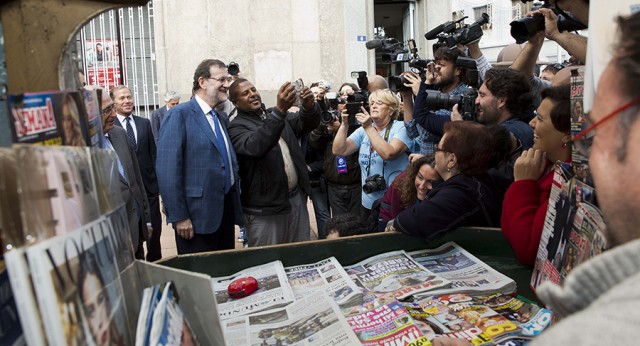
[197,167]
[131,183]
[141,139]
[171,98]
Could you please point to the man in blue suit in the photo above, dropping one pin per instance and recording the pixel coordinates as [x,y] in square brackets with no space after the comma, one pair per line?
[197,167]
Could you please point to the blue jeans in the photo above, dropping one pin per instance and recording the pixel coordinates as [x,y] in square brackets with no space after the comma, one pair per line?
[320,202]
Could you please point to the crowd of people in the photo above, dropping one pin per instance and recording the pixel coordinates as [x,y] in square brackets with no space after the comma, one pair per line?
[224,158]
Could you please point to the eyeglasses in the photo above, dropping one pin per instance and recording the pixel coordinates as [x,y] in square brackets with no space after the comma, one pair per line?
[107,110]
[584,138]
[223,79]
[437,148]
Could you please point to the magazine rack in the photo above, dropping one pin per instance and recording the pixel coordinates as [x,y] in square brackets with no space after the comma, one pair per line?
[488,244]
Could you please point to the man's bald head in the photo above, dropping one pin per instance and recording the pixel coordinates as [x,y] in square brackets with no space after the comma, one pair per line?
[377,82]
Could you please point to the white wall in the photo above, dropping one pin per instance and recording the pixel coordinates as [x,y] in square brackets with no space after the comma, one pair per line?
[273,41]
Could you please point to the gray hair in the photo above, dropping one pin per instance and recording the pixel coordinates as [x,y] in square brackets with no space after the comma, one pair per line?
[171,95]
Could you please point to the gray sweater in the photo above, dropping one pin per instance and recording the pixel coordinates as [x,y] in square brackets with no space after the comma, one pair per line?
[599,303]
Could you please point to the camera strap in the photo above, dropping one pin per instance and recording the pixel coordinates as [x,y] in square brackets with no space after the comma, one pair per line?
[386,139]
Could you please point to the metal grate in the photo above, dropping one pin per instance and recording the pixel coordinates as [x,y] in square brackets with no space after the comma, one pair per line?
[117,47]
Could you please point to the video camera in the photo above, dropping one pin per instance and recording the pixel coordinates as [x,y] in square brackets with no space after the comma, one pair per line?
[452,33]
[417,65]
[522,29]
[466,101]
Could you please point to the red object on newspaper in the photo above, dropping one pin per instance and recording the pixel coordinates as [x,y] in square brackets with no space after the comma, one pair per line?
[242,287]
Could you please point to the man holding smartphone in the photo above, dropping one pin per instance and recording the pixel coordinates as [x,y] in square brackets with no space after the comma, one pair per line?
[273,173]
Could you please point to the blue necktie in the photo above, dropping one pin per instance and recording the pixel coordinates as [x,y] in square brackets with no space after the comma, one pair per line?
[130,134]
[223,151]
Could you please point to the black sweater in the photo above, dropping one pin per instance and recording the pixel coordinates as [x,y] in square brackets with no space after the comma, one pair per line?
[460,201]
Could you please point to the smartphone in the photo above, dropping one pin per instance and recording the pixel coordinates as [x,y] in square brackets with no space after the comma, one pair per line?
[298,84]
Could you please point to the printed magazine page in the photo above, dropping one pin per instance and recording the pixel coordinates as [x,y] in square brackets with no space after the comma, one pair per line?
[467,273]
[327,275]
[557,220]
[531,318]
[459,316]
[273,291]
[389,324]
[394,273]
[169,325]
[49,118]
[79,289]
[312,320]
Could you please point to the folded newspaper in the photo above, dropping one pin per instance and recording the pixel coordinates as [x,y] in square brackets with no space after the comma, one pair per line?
[327,275]
[394,273]
[312,320]
[273,291]
[467,273]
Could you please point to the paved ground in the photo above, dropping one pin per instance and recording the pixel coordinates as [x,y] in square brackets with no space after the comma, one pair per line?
[169,244]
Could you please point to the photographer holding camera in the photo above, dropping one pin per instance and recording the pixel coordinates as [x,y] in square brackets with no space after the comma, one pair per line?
[522,29]
[442,75]
[381,142]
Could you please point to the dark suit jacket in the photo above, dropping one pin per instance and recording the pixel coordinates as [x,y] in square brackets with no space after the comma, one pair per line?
[156,121]
[146,153]
[190,169]
[132,191]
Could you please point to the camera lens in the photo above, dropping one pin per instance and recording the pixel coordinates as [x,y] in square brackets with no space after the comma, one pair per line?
[523,28]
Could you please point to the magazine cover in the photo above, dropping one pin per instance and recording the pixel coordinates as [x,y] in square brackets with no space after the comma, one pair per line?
[573,235]
[57,182]
[557,223]
[273,291]
[79,290]
[460,316]
[389,324]
[530,317]
[395,273]
[327,275]
[25,296]
[466,272]
[312,320]
[169,325]
[49,118]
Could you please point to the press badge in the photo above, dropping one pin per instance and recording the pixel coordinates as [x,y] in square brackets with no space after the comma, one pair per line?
[341,163]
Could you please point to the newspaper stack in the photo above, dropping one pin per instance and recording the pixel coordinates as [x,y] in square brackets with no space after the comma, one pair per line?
[467,273]
[393,275]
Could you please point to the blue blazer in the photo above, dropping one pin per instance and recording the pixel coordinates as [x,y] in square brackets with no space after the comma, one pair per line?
[190,169]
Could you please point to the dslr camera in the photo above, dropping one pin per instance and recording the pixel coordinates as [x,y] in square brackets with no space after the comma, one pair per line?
[452,33]
[329,108]
[374,183]
[522,29]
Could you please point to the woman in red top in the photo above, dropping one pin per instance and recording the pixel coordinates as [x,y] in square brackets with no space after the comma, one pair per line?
[526,200]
